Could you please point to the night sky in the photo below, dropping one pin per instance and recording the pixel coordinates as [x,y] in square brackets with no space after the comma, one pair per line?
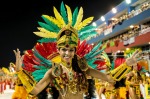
[19,19]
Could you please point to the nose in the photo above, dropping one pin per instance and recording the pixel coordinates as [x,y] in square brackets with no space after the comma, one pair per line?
[67,52]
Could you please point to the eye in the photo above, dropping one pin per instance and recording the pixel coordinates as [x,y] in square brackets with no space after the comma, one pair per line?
[63,49]
[71,50]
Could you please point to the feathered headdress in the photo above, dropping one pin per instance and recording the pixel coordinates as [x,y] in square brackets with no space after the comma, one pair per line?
[53,26]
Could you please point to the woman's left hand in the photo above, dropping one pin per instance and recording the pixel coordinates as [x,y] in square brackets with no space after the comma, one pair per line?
[134,58]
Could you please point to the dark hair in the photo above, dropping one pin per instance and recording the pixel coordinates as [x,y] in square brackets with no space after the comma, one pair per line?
[43,94]
[54,92]
[91,89]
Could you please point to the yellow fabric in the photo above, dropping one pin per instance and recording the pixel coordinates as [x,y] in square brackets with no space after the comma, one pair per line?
[20,93]
[120,71]
[122,92]
[147,86]
[26,80]
[56,59]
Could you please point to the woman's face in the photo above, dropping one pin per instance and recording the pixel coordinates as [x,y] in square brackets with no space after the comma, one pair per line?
[66,53]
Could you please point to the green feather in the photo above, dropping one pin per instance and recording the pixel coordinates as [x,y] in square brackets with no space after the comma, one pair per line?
[51,24]
[42,59]
[86,35]
[47,27]
[93,50]
[39,74]
[96,53]
[87,31]
[91,63]
[47,40]
[87,28]
[74,16]
[63,12]
[39,67]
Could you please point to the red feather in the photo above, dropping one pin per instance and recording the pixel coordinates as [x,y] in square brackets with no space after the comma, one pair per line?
[100,64]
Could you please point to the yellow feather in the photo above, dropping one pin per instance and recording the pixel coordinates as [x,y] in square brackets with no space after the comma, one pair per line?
[52,19]
[69,14]
[44,33]
[79,17]
[84,23]
[59,17]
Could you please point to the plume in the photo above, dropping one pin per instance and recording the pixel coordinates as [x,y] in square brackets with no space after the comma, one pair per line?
[79,17]
[47,27]
[42,59]
[85,22]
[59,17]
[63,12]
[74,16]
[47,40]
[52,19]
[45,34]
[69,15]
[50,23]
[93,50]
[87,28]
[87,35]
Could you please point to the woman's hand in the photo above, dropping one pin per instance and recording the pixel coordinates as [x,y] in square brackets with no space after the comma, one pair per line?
[111,80]
[19,59]
[134,58]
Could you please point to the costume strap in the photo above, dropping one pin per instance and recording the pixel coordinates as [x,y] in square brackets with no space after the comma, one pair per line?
[26,80]
[120,71]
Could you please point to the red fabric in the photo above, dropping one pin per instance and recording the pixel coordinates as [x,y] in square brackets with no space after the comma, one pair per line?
[119,61]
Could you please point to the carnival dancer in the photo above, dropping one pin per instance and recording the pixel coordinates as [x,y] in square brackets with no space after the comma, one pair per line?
[133,82]
[63,58]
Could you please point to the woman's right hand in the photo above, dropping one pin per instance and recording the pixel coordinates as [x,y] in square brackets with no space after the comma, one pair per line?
[19,59]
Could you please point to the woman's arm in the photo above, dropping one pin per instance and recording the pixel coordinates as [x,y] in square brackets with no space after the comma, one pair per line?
[42,83]
[99,75]
[26,79]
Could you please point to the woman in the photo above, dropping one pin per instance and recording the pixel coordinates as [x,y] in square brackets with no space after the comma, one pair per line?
[69,66]
[133,82]
[70,63]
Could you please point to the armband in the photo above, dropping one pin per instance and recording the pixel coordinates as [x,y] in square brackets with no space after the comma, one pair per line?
[56,70]
[120,71]
[27,80]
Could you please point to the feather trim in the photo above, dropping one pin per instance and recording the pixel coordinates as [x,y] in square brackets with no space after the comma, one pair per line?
[74,16]
[85,22]
[63,12]
[93,50]
[79,18]
[45,33]
[59,17]
[69,14]
[46,40]
[50,23]
[87,28]
[47,27]
[52,19]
